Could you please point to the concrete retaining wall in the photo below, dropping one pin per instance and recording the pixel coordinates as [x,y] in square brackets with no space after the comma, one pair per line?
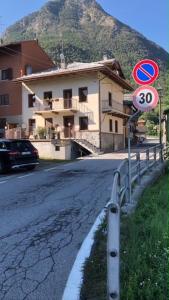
[52,150]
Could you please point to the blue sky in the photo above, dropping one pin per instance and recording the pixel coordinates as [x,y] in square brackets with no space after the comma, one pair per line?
[150,17]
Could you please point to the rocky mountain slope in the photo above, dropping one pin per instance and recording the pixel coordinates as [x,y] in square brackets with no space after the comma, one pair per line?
[86,32]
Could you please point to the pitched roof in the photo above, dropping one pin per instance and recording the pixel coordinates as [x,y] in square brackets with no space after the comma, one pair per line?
[2,45]
[11,48]
[110,68]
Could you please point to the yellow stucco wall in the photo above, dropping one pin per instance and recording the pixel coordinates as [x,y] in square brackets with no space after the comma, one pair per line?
[106,86]
[57,85]
[95,82]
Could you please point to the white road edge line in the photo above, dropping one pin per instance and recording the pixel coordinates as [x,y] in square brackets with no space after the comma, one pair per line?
[27,175]
[1,182]
[75,279]
[47,170]
[5,178]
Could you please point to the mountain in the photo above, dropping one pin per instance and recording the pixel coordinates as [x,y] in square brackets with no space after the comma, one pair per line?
[86,32]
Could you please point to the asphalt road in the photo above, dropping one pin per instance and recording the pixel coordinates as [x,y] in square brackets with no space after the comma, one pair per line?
[44,217]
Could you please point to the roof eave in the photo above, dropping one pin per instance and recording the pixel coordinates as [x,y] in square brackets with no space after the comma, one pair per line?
[41,77]
[105,70]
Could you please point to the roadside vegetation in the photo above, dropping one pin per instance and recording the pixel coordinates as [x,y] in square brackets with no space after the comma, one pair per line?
[144,251]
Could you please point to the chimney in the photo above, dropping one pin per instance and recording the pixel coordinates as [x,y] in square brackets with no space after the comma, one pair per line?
[105,57]
[35,39]
[62,63]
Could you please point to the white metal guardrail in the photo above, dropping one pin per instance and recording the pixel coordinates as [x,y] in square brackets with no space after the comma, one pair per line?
[140,164]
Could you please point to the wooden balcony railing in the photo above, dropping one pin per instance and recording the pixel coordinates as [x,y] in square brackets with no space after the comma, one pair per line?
[106,107]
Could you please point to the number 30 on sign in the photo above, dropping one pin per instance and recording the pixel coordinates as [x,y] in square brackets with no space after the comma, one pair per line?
[145,98]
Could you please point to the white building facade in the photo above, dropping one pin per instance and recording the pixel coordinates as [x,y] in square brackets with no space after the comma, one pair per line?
[82,103]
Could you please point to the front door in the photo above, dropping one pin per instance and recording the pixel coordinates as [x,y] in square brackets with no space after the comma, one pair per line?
[32,123]
[68,126]
[48,122]
[49,128]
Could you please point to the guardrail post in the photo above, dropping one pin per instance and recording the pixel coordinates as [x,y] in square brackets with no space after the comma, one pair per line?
[113,252]
[155,153]
[165,152]
[113,242]
[127,182]
[138,168]
[161,152]
[147,158]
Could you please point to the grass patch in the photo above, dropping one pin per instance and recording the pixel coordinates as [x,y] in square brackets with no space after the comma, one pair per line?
[144,251]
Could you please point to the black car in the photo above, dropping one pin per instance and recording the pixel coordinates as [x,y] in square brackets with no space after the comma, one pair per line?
[16,154]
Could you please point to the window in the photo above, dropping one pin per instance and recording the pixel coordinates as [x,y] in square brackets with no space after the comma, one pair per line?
[57,148]
[31,100]
[110,125]
[32,123]
[116,126]
[6,74]
[67,94]
[83,92]
[47,95]
[110,99]
[21,146]
[83,123]
[4,99]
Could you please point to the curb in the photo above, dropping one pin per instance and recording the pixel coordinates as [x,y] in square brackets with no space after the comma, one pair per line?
[75,279]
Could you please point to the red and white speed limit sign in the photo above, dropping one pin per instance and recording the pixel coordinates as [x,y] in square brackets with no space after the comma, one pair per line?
[145,98]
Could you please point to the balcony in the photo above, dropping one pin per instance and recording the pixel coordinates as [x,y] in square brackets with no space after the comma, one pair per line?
[115,106]
[56,106]
[65,105]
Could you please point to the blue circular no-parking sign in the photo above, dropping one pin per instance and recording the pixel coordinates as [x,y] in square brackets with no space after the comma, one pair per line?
[145,72]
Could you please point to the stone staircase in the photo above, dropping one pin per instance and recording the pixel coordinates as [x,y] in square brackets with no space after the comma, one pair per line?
[88,146]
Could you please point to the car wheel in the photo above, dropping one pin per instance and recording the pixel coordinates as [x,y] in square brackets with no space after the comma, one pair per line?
[2,170]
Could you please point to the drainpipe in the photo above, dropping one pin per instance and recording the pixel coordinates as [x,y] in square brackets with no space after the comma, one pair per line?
[100,142]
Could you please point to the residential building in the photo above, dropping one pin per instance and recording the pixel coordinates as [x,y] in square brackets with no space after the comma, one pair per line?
[17,59]
[83,102]
[130,110]
[141,129]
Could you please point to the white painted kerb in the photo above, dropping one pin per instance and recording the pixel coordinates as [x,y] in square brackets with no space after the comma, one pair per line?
[74,282]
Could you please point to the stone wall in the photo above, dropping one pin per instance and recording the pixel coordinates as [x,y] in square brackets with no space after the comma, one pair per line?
[112,142]
[91,136]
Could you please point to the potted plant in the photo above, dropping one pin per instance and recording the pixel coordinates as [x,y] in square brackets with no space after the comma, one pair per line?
[41,131]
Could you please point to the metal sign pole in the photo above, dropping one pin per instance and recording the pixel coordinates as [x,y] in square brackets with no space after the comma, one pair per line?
[129,157]
[129,152]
